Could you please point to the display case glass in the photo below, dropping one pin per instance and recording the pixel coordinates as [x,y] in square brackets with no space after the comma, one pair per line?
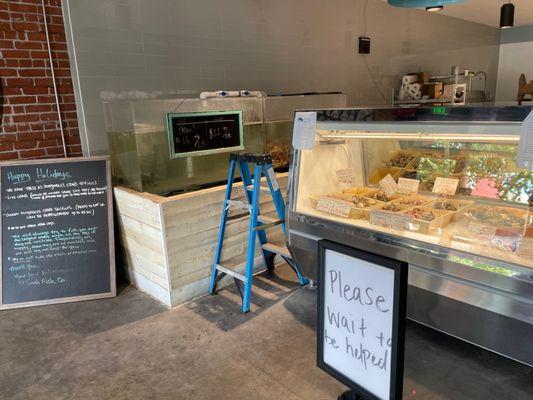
[445,181]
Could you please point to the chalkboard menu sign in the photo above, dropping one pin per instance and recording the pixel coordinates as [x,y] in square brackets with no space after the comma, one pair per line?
[57,231]
[361,320]
[201,133]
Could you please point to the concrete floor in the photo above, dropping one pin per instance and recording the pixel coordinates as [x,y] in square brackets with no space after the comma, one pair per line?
[130,347]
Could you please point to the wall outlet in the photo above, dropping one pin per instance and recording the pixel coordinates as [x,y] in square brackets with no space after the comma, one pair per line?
[364,45]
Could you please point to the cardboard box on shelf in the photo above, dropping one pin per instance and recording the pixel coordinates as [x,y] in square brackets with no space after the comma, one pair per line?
[433,90]
[423,77]
[447,92]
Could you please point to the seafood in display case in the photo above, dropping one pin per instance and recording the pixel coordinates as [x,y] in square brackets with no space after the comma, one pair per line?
[468,162]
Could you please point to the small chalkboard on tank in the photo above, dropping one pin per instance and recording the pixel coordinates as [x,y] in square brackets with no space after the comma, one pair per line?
[201,133]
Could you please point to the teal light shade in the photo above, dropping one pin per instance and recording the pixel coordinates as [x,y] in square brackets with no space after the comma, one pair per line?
[421,3]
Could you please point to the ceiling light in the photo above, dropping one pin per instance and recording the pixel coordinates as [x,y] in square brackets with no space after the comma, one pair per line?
[422,3]
[507,16]
[434,8]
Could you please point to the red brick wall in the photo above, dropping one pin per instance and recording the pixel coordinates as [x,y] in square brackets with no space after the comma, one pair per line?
[30,127]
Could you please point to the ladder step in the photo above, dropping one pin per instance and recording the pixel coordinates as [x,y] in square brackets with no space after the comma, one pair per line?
[238,204]
[282,251]
[231,272]
[261,188]
[269,220]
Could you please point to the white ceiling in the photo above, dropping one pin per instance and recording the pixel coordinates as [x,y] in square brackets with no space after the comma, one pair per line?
[488,11]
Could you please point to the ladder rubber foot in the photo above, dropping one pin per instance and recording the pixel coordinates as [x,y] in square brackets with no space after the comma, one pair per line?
[305,282]
[270,262]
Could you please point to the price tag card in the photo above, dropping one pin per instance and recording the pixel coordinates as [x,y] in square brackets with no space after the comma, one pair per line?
[388,185]
[400,222]
[325,205]
[525,248]
[303,133]
[445,186]
[408,186]
[347,175]
[482,229]
[380,218]
[336,207]
[458,245]
[342,208]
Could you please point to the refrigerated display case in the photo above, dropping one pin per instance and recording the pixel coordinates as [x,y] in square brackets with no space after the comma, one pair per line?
[438,188]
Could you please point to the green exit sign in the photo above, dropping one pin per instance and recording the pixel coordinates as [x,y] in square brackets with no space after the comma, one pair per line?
[440,110]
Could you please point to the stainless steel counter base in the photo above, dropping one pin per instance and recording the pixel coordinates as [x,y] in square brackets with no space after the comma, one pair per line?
[486,309]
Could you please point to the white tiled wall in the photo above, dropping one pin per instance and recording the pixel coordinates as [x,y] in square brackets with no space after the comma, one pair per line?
[270,45]
[516,57]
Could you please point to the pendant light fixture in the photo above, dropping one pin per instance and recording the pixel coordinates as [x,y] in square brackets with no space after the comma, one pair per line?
[429,5]
[507,16]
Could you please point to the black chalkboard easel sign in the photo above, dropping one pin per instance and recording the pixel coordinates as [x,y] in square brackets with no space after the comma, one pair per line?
[202,133]
[56,231]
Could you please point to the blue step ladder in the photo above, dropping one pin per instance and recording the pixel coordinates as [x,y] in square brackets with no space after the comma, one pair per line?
[258,223]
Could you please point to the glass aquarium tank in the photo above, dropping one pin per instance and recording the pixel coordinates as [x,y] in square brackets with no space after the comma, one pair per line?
[279,116]
[139,146]
[138,139]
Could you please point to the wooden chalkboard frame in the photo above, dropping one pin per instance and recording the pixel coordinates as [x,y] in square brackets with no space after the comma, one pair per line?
[173,154]
[112,271]
[400,269]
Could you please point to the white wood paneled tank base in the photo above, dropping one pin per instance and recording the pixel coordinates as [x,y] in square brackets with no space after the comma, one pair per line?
[167,244]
